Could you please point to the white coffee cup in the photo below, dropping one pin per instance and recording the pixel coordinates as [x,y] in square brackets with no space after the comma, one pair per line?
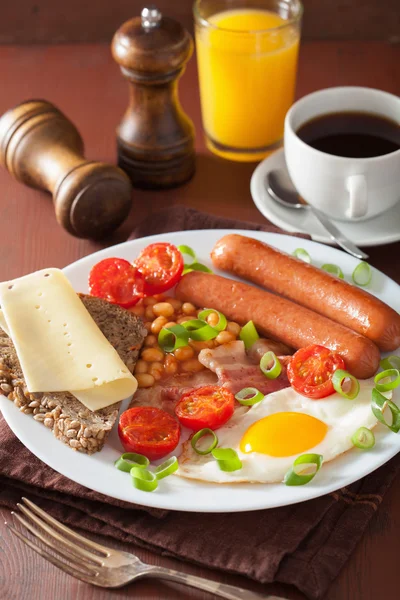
[343,188]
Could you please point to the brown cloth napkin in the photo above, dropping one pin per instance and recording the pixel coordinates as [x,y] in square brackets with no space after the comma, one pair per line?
[304,545]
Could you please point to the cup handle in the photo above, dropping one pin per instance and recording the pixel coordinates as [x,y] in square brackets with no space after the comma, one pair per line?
[357,188]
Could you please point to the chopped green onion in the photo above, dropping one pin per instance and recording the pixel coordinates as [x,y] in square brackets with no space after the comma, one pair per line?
[295,477]
[249,396]
[222,322]
[302,255]
[166,468]
[227,459]
[199,435]
[143,479]
[390,362]
[173,337]
[363,438]
[187,251]
[270,365]
[199,330]
[345,384]
[333,270]
[248,334]
[196,267]
[379,403]
[362,274]
[130,459]
[393,380]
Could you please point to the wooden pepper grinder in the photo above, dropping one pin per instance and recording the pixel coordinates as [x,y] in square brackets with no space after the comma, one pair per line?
[155,138]
[40,147]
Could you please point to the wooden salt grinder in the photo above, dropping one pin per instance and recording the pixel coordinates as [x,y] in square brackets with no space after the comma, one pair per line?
[40,147]
[155,138]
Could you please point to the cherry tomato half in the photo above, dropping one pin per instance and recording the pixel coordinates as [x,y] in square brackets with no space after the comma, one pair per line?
[161,266]
[210,406]
[149,431]
[117,281]
[310,371]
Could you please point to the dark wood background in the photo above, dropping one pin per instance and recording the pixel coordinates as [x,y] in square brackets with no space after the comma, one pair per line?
[58,21]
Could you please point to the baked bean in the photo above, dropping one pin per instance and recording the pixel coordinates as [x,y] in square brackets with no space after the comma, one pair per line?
[145,380]
[192,366]
[184,353]
[188,308]
[159,297]
[152,355]
[148,313]
[156,370]
[212,319]
[224,337]
[137,310]
[169,324]
[148,325]
[197,346]
[149,301]
[163,309]
[175,303]
[141,366]
[150,340]
[170,364]
[184,319]
[233,328]
[158,324]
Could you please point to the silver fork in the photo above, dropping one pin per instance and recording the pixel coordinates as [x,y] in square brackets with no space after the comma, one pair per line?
[102,566]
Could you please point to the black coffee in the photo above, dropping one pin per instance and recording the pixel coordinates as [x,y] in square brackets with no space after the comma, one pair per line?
[351,134]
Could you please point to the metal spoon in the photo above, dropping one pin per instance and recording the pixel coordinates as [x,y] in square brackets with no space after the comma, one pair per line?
[281,189]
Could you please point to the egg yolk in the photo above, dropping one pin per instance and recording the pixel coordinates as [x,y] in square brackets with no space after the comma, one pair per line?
[283,434]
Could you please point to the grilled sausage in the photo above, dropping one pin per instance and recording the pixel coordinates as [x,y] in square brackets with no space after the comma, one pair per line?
[309,286]
[280,319]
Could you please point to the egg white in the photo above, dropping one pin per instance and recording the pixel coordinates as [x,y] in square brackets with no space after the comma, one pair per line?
[343,418]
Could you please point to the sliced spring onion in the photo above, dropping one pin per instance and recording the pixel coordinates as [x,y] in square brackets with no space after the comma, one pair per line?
[173,337]
[345,384]
[390,362]
[378,405]
[222,322]
[296,476]
[362,274]
[130,459]
[270,365]
[333,270]
[302,255]
[249,396]
[143,479]
[248,334]
[199,330]
[227,459]
[391,377]
[188,253]
[196,267]
[199,435]
[363,438]
[166,468]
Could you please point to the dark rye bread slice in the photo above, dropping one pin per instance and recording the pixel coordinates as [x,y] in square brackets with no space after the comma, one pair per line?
[70,421]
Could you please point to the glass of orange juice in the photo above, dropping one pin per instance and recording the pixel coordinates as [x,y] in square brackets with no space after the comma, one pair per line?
[247,58]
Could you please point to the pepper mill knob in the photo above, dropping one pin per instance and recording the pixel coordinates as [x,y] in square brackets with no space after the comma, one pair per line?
[155,138]
[40,147]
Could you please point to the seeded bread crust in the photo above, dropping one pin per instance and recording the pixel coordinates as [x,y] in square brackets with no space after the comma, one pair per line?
[70,421]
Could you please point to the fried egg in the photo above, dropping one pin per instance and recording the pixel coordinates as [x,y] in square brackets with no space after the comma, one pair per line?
[271,434]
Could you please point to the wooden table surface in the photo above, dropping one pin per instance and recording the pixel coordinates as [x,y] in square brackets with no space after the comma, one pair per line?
[85,83]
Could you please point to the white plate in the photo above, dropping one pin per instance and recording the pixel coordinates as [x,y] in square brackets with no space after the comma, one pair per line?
[380,230]
[98,473]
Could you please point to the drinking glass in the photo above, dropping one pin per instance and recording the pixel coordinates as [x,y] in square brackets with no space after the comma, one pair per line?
[247,59]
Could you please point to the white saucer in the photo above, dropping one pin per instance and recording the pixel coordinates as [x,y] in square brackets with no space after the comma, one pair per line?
[377,231]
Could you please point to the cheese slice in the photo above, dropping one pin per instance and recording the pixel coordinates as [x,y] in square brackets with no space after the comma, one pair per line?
[58,344]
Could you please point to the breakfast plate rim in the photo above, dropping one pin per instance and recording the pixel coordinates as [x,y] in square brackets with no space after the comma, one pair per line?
[97,472]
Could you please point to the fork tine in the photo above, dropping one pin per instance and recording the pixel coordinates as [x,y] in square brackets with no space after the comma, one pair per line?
[68,551]
[60,527]
[73,547]
[53,559]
